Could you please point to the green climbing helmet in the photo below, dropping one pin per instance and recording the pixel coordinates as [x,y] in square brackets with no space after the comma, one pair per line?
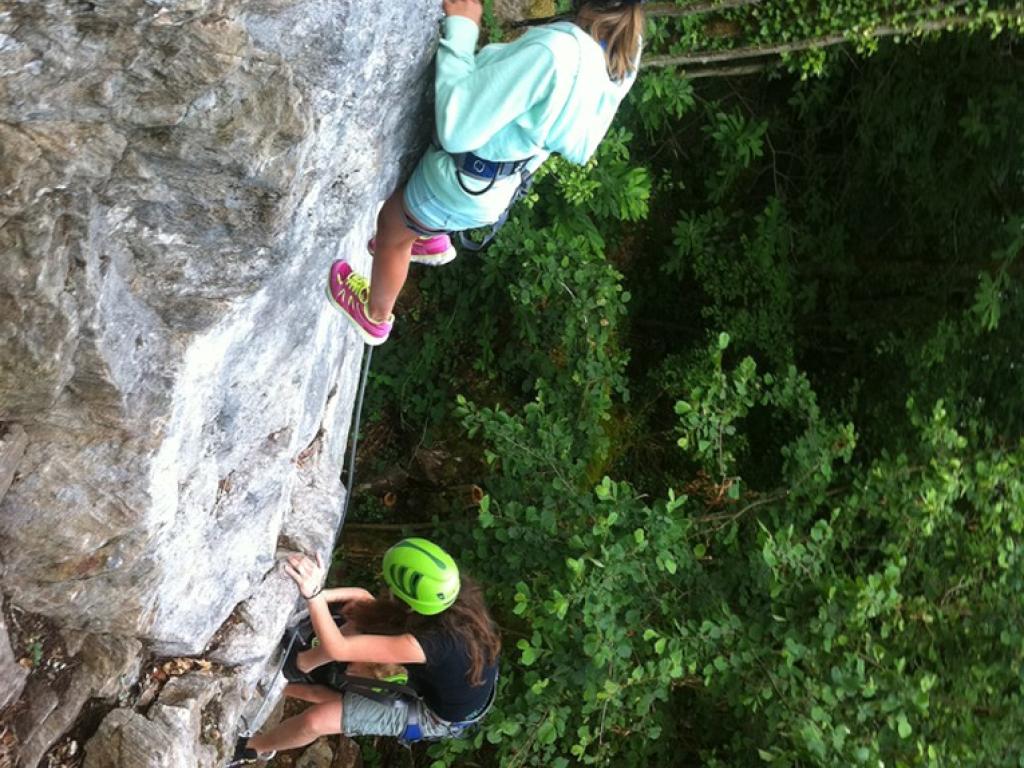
[422,574]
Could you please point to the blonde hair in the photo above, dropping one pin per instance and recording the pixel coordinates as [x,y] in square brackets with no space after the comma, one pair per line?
[619,29]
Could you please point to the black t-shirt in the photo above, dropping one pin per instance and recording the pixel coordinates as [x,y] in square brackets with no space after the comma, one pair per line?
[441,681]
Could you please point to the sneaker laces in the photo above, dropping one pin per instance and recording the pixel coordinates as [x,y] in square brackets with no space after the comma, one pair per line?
[360,286]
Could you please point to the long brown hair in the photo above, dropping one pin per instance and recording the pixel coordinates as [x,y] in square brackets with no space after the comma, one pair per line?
[467,618]
[619,28]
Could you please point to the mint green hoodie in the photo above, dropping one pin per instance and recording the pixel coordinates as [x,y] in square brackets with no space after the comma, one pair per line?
[548,91]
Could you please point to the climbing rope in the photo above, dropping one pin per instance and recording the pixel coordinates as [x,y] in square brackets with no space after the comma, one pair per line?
[354,433]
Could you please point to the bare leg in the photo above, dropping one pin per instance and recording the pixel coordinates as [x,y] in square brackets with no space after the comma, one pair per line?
[311,659]
[315,657]
[314,694]
[391,257]
[319,720]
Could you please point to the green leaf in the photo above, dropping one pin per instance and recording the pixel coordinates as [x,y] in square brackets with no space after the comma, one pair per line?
[529,653]
[903,726]
[485,517]
[547,734]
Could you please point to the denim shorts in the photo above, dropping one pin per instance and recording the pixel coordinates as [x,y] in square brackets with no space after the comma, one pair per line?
[434,202]
[361,716]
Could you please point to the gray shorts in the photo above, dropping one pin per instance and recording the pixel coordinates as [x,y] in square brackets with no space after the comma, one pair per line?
[361,716]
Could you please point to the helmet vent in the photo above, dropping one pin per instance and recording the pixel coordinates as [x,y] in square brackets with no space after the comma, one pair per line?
[398,579]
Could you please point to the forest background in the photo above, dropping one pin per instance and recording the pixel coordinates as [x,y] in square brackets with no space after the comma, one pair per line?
[745,398]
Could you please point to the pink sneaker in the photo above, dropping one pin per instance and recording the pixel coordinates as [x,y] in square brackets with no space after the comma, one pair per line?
[350,293]
[429,251]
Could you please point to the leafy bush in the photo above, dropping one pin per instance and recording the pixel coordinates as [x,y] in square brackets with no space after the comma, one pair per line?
[766,505]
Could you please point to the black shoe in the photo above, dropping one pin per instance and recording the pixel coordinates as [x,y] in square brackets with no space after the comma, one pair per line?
[243,755]
[290,668]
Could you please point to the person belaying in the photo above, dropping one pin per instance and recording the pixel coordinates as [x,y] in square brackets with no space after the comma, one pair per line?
[432,620]
[499,115]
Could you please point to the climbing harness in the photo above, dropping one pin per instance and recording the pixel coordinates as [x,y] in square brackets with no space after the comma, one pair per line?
[491,171]
[400,695]
[474,166]
[525,182]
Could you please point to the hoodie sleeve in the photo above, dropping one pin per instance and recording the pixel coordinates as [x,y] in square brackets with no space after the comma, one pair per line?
[473,103]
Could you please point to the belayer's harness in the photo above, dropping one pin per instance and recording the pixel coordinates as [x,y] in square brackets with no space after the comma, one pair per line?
[390,693]
[401,695]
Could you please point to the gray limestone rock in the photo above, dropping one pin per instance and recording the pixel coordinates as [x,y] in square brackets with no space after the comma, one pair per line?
[317,755]
[187,727]
[175,178]
[106,668]
[12,674]
[13,442]
[346,754]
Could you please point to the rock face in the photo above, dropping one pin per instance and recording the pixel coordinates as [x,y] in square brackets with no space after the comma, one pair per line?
[12,675]
[175,178]
[107,667]
[176,731]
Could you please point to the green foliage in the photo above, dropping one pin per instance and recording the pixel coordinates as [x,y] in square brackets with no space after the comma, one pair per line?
[767,506]
[737,141]
[663,98]
[746,274]
[801,31]
[542,308]
[828,616]
[988,299]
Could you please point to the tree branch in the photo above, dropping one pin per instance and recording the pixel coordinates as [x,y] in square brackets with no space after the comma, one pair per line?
[760,51]
[737,71]
[696,8]
[390,526]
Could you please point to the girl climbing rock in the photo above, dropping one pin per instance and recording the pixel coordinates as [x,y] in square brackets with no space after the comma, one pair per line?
[432,621]
[499,115]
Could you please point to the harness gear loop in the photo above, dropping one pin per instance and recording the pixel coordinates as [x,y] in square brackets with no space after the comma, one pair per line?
[476,167]
[525,182]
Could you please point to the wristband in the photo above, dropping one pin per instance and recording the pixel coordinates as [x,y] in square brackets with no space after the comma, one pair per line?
[314,595]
